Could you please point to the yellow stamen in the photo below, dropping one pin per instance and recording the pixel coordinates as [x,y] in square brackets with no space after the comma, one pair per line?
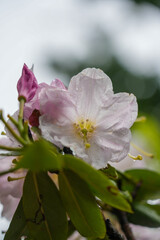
[10,179]
[87,145]
[142,151]
[14,161]
[141,119]
[3,133]
[138,157]
[84,128]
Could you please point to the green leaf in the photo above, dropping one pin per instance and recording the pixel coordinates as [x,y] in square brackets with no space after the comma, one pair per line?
[146,215]
[149,184]
[81,205]
[101,186]
[110,172]
[105,238]
[39,156]
[43,208]
[144,185]
[18,225]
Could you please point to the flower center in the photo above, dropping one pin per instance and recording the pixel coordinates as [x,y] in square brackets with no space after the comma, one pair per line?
[85,129]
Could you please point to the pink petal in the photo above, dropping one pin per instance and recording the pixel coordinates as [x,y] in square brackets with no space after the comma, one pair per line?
[58,84]
[58,114]
[13,188]
[9,206]
[57,105]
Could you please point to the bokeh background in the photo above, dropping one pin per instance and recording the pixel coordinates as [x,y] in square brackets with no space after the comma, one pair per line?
[61,38]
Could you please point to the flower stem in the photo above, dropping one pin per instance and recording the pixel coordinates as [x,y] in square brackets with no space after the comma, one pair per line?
[13,121]
[10,179]
[150,155]
[9,148]
[8,171]
[14,134]
[20,116]
[12,154]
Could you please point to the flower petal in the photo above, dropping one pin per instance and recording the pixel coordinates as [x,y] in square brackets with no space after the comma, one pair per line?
[90,88]
[13,188]
[97,155]
[58,106]
[58,84]
[117,143]
[9,206]
[118,112]
[58,114]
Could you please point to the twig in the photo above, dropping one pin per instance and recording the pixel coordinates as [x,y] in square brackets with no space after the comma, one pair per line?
[112,233]
[122,216]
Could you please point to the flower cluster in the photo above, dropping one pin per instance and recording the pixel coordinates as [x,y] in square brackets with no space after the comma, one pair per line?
[87,117]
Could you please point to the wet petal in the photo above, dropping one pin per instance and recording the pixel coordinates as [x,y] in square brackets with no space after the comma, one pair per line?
[117,143]
[90,88]
[58,114]
[120,111]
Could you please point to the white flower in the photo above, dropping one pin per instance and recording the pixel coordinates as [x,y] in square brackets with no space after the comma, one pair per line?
[89,118]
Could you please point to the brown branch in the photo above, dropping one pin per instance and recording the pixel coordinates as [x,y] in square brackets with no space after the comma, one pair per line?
[112,233]
[122,216]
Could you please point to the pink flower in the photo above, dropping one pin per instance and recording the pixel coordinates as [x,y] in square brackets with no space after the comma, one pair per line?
[27,84]
[89,118]
[32,108]
[11,191]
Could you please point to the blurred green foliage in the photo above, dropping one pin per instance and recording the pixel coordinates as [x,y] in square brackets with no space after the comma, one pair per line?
[154,2]
[146,188]
[100,55]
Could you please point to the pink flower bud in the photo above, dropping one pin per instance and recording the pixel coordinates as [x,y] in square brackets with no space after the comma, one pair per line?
[27,84]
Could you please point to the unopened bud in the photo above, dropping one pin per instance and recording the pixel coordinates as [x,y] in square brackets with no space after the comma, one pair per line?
[27,84]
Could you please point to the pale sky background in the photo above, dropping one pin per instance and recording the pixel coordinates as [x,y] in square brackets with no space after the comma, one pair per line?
[32,30]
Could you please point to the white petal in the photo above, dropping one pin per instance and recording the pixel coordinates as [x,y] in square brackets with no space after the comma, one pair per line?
[120,111]
[75,143]
[97,155]
[117,143]
[90,89]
